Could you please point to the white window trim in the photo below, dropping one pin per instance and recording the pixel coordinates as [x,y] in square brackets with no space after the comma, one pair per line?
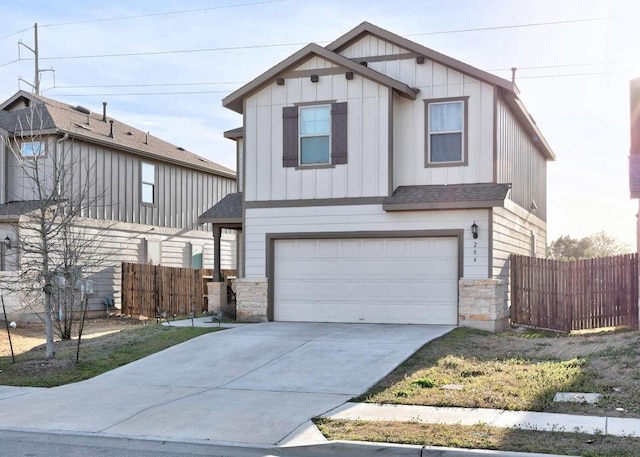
[43,148]
[464,154]
[301,136]
[144,183]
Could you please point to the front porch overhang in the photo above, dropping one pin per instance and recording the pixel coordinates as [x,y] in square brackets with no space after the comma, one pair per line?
[226,214]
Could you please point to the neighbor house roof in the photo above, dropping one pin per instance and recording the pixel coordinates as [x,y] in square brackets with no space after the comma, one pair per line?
[47,116]
[227,210]
[13,210]
[480,195]
[234,101]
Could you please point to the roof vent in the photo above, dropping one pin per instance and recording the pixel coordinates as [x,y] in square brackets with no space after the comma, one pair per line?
[180,148]
[82,109]
[104,111]
[129,133]
[111,129]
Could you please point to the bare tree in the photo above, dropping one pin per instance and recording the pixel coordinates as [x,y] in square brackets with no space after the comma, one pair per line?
[56,251]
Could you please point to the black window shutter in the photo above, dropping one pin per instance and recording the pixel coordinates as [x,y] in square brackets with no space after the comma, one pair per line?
[339,133]
[290,136]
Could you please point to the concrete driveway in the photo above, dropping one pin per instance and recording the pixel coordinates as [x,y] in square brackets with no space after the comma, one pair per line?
[255,384]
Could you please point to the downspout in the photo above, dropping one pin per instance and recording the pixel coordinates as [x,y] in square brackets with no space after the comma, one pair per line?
[65,137]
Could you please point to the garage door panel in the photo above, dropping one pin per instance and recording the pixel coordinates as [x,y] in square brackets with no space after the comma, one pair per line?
[394,280]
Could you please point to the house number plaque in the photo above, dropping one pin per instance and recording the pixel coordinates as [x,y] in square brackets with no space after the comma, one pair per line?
[475,251]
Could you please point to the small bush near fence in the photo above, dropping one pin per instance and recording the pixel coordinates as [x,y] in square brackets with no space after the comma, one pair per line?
[577,295]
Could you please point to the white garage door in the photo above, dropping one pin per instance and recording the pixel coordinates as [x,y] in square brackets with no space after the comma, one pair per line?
[390,280]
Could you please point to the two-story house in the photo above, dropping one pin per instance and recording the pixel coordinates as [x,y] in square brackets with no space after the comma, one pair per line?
[144,193]
[381,181]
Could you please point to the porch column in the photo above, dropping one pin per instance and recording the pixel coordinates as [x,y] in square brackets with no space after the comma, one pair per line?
[217,234]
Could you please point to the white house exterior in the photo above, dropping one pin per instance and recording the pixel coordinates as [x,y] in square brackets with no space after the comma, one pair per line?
[363,166]
[144,198]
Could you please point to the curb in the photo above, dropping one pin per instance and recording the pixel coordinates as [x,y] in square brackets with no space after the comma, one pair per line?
[367,449]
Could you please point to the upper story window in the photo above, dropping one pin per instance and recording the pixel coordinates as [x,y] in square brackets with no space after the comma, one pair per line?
[314,134]
[446,138]
[148,179]
[32,148]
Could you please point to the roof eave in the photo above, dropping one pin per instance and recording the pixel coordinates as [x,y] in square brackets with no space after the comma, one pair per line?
[467,204]
[366,27]
[526,120]
[234,101]
[142,153]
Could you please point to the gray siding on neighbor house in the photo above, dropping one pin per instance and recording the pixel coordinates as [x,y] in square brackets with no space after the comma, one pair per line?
[114,178]
[519,162]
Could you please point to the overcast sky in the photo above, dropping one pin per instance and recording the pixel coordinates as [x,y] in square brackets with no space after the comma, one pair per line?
[165,66]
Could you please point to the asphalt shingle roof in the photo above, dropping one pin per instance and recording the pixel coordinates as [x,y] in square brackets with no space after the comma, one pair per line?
[436,196]
[229,208]
[19,208]
[48,114]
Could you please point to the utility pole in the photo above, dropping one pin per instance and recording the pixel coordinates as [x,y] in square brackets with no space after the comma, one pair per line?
[36,81]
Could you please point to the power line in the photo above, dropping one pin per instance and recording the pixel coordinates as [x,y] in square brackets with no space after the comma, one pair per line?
[151,53]
[9,63]
[542,67]
[167,13]
[566,75]
[149,93]
[600,73]
[501,27]
[235,48]
[149,85]
[15,33]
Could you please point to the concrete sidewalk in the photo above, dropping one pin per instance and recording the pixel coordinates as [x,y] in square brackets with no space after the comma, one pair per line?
[526,420]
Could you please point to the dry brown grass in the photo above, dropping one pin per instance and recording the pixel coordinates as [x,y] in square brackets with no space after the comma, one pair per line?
[520,370]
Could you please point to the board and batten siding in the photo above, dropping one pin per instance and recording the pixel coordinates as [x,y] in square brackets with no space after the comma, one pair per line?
[371,46]
[240,164]
[361,218]
[112,179]
[366,173]
[520,163]
[435,81]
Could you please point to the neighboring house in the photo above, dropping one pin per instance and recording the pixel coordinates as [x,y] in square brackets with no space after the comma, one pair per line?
[634,151]
[146,192]
[381,181]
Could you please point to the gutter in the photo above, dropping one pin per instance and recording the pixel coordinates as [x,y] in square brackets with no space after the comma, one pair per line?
[142,153]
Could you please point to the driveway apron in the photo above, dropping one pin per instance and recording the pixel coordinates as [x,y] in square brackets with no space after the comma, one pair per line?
[254,384]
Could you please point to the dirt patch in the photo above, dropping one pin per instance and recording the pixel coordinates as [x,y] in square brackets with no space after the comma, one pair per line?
[30,335]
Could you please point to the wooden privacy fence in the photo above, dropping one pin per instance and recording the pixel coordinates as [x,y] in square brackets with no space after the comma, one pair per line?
[149,289]
[576,295]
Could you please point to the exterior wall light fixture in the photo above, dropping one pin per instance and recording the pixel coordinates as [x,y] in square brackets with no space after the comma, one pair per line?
[7,242]
[474,230]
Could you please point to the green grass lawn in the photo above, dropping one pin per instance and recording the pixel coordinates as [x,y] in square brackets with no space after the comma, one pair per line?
[97,355]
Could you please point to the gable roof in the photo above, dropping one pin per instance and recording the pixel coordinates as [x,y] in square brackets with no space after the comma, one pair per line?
[508,89]
[367,28]
[48,116]
[234,101]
